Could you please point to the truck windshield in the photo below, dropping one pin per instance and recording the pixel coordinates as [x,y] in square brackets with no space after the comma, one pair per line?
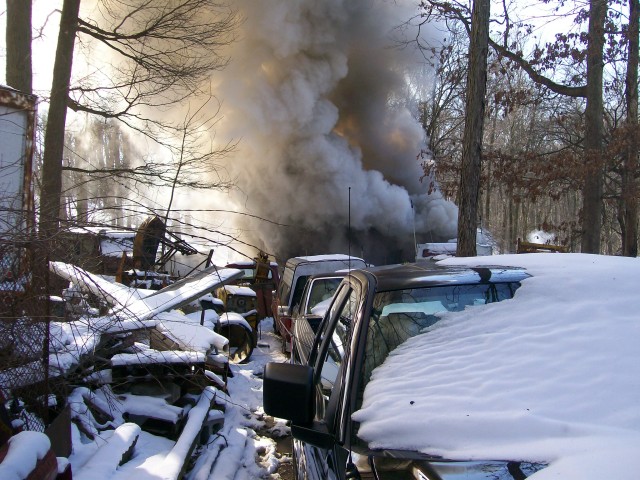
[401,314]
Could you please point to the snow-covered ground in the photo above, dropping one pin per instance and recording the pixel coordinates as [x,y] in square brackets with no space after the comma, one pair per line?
[240,450]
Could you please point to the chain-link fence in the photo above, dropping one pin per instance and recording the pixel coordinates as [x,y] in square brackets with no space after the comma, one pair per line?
[24,341]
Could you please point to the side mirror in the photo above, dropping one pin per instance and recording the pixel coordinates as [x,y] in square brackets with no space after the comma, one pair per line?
[287,392]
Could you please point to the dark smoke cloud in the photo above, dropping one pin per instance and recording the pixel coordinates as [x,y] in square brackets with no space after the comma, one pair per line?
[312,93]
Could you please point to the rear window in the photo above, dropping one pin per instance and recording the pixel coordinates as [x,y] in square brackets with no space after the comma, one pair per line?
[285,286]
[298,290]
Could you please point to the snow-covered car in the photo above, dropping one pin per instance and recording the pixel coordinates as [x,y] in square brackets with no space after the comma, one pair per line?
[542,386]
[374,312]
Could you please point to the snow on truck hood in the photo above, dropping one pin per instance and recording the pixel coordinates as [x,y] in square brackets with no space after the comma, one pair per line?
[550,376]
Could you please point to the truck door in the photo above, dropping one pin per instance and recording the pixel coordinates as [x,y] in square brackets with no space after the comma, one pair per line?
[332,350]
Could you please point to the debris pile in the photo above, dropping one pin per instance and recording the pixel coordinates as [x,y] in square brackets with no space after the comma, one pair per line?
[143,365]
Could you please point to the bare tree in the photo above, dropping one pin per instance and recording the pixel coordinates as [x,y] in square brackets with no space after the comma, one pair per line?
[473,129]
[18,37]
[629,180]
[159,54]
[54,137]
[591,90]
[592,191]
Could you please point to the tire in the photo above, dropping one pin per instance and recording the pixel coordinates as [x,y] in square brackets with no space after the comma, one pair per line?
[242,341]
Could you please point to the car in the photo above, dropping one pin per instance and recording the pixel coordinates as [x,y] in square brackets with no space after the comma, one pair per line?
[374,311]
[294,278]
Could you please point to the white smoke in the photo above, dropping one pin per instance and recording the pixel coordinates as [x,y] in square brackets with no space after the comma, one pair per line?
[312,94]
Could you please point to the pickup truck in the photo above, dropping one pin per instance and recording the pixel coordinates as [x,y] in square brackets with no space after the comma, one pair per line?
[372,313]
[296,272]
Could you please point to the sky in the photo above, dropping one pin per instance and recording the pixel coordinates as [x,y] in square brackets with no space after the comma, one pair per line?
[549,376]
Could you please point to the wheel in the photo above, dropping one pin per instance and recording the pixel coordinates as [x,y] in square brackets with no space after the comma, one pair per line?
[241,341]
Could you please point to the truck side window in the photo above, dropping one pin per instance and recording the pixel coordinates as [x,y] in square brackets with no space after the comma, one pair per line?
[338,338]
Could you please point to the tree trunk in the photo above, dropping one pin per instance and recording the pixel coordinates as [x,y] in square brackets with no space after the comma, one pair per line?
[54,136]
[492,141]
[593,185]
[629,182]
[474,122]
[18,37]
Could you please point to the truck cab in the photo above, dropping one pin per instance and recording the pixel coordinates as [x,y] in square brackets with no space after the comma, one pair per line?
[296,272]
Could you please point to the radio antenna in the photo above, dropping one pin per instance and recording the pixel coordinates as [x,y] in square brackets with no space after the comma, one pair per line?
[349,231]
[415,241]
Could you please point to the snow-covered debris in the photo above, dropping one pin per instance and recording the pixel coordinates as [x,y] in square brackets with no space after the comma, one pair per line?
[189,334]
[240,290]
[133,310]
[113,293]
[154,356]
[114,243]
[25,450]
[114,452]
[175,461]
[233,425]
[180,293]
[120,391]
[143,305]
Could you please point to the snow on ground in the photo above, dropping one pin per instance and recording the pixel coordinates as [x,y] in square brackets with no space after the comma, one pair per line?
[549,376]
[243,418]
[236,452]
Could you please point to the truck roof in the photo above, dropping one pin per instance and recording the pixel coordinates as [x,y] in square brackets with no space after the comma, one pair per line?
[415,275]
[324,258]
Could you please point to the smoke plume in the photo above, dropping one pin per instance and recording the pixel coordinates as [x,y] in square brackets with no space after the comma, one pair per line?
[316,95]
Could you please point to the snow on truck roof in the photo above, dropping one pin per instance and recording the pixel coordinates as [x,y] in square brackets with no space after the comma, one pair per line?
[549,376]
[346,259]
[247,264]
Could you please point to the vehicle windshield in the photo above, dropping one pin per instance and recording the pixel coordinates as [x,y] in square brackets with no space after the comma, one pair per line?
[401,314]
